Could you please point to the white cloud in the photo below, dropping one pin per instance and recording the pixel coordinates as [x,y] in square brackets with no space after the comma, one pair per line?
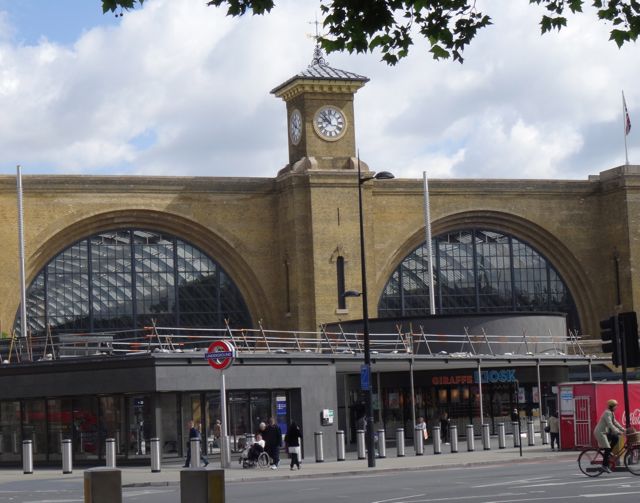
[6,30]
[180,88]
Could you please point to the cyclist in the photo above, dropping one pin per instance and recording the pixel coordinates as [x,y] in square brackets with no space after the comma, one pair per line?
[607,432]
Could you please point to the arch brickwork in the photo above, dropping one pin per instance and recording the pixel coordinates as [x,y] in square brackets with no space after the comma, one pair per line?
[206,240]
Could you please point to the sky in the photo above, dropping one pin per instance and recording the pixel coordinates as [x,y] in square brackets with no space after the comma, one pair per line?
[180,89]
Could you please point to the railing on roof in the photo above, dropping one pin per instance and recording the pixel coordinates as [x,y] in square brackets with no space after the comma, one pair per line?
[262,341]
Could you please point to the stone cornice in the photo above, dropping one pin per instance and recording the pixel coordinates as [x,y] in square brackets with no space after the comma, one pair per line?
[615,179]
[136,184]
[303,86]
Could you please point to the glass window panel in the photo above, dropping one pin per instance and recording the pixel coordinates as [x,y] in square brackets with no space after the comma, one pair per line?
[171,429]
[111,422]
[59,421]
[34,427]
[239,421]
[138,436]
[124,279]
[479,270]
[10,437]
[85,428]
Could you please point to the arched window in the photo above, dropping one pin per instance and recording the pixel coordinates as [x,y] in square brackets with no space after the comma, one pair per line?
[477,270]
[122,279]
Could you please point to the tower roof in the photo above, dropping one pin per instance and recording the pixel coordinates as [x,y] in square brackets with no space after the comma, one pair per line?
[319,70]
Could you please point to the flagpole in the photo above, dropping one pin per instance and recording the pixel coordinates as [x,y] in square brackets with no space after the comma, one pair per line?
[24,329]
[625,114]
[427,227]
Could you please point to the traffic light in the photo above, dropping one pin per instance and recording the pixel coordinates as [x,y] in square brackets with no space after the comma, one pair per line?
[609,333]
[629,336]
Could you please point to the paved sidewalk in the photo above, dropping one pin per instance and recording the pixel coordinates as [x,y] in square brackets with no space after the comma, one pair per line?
[170,474]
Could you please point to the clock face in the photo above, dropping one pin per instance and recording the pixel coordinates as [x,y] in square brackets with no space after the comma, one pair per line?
[295,126]
[330,123]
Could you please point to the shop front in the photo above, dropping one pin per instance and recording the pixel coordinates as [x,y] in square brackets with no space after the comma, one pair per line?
[459,397]
[79,400]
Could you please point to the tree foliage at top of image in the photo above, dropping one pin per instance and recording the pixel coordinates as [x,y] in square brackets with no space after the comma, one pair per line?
[448,26]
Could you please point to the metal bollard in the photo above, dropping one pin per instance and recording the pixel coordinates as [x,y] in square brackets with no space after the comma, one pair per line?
[437,441]
[486,437]
[453,433]
[530,433]
[103,485]
[516,433]
[110,453]
[67,460]
[418,441]
[362,451]
[502,441]
[543,434]
[194,446]
[400,442]
[155,455]
[340,445]
[382,444]
[470,439]
[27,456]
[318,445]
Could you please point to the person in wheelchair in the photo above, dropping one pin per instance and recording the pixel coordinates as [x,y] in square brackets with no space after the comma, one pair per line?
[256,449]
[251,453]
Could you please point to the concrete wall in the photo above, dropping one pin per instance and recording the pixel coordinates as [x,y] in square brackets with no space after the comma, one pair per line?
[511,326]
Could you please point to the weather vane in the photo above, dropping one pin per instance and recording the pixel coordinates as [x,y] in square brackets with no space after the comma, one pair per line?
[318,57]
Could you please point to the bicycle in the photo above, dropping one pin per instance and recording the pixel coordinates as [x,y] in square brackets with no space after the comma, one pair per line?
[590,459]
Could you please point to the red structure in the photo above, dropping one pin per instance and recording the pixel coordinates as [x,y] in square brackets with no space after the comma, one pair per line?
[581,405]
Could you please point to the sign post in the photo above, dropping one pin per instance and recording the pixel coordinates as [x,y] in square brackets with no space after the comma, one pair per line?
[225,455]
[220,356]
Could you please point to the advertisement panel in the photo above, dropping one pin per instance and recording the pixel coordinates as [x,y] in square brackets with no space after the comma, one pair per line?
[582,404]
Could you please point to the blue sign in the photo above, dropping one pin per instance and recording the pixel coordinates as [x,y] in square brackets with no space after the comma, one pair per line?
[218,355]
[495,376]
[365,377]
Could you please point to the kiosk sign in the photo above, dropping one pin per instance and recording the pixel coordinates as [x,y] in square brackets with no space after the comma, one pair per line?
[220,354]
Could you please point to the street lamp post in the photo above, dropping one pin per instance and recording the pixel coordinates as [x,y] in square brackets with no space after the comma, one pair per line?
[370,439]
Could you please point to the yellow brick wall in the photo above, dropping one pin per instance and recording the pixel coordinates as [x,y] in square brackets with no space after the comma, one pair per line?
[253,227]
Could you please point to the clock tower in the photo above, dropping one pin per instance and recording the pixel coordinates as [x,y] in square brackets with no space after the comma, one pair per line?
[320,119]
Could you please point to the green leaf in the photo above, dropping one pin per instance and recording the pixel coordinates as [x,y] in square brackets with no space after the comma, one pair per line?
[439,53]
[575,5]
[619,36]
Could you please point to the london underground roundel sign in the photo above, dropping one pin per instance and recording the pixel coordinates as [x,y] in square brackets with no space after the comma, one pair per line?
[220,354]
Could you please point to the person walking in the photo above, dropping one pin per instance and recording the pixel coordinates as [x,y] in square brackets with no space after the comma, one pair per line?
[292,441]
[273,441]
[607,431]
[554,430]
[217,432]
[444,427]
[194,433]
[422,426]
